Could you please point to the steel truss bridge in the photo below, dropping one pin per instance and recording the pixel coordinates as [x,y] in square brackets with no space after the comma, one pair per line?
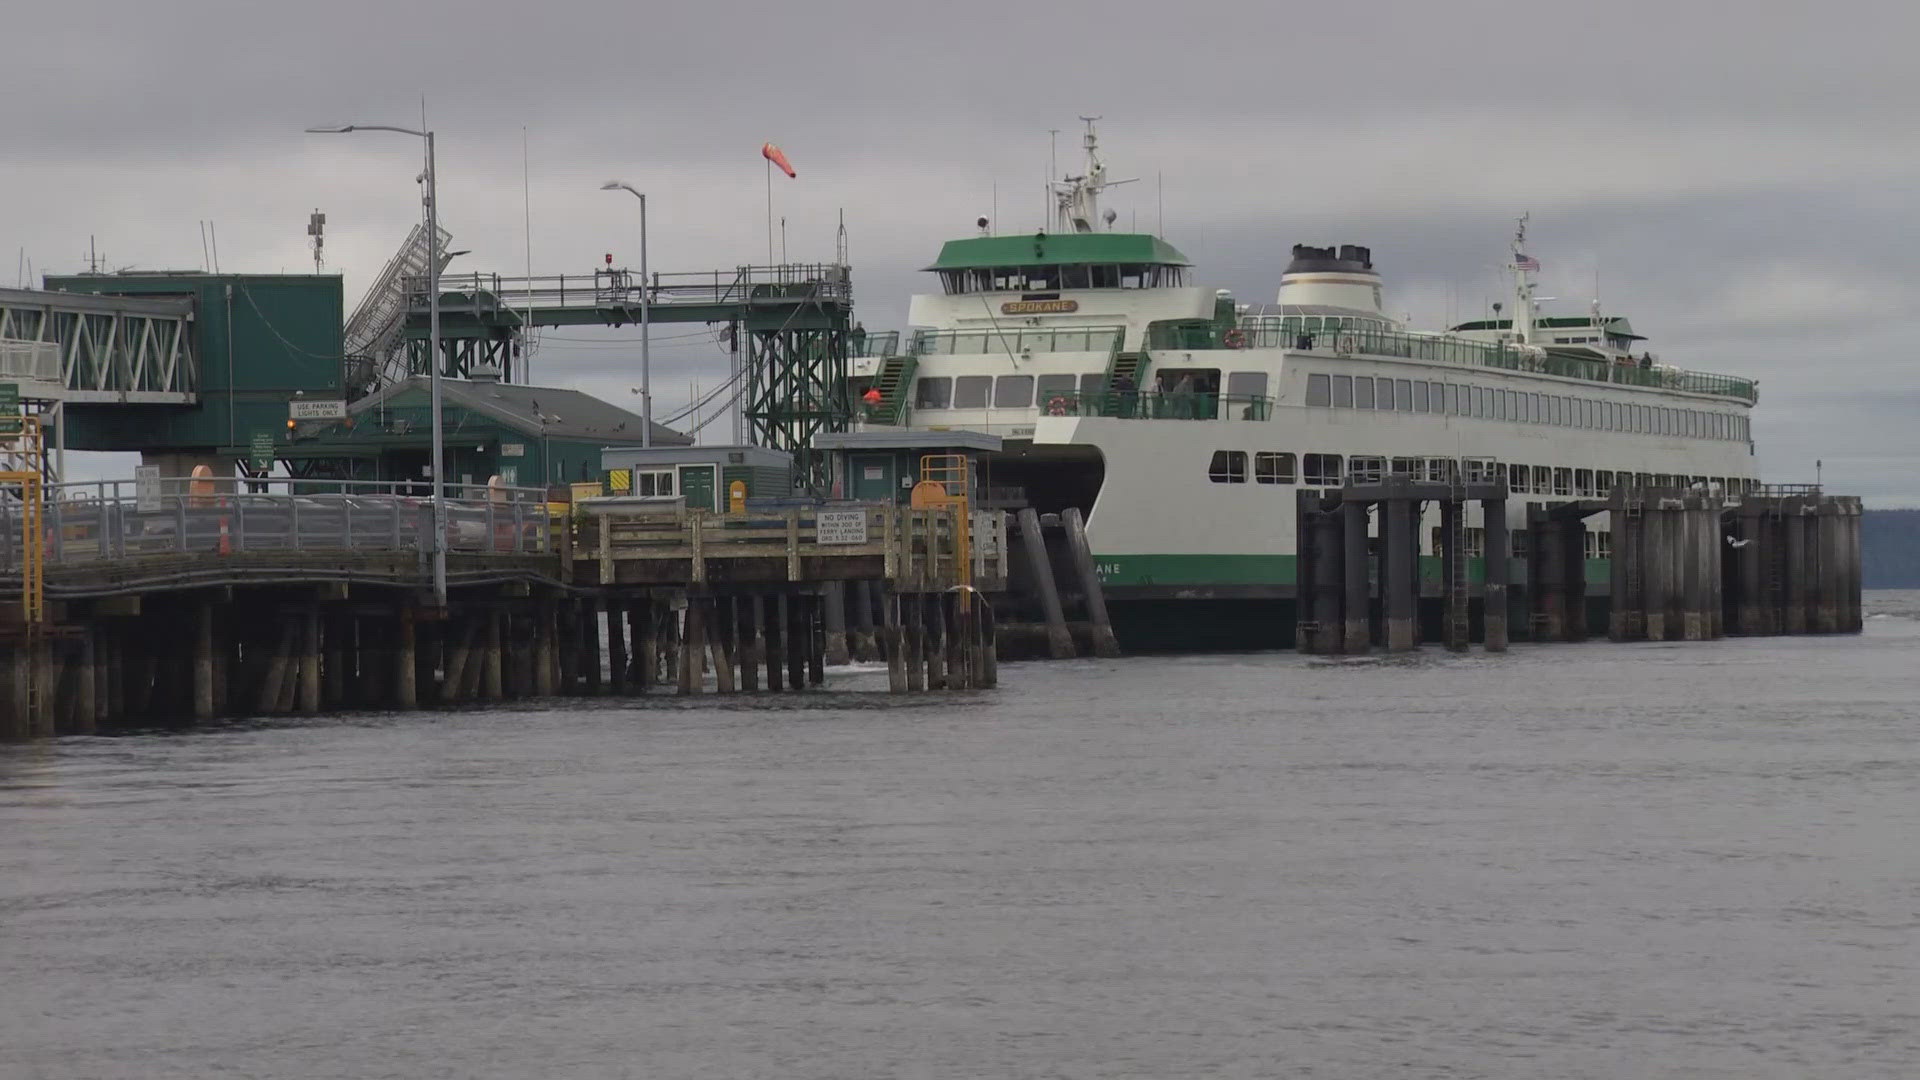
[793,322]
[92,349]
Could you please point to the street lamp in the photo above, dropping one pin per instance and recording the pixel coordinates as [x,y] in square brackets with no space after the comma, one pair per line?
[438,543]
[646,317]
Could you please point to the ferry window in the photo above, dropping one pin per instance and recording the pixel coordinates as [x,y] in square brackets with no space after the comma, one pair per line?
[1453,399]
[1013,392]
[1517,477]
[1406,466]
[1583,483]
[931,392]
[1247,383]
[1603,483]
[1319,392]
[1536,412]
[1500,399]
[1272,468]
[1076,277]
[1420,396]
[1322,470]
[970,391]
[1049,387]
[1542,479]
[1403,395]
[1343,391]
[1563,481]
[1366,469]
[1363,393]
[1093,382]
[1228,467]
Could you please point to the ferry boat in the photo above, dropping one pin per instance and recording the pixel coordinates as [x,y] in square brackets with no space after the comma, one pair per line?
[1182,422]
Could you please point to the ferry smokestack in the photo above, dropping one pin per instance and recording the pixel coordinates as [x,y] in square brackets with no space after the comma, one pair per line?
[1333,277]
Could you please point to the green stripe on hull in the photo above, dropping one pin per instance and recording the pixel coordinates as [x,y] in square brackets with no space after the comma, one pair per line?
[1195,569]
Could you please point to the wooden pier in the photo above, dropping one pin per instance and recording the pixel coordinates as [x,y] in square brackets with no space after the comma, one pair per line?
[175,600]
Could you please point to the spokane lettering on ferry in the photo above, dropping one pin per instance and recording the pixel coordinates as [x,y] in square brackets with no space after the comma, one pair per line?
[1038,307]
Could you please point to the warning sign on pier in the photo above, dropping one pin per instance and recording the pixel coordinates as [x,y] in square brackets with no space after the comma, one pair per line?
[840,527]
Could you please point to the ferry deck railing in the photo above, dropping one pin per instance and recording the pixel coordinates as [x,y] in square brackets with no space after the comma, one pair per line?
[1261,332]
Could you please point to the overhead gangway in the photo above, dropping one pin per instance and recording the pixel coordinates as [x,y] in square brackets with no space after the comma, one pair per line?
[793,321]
[84,348]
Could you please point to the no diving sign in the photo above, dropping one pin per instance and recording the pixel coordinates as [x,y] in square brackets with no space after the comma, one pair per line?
[840,527]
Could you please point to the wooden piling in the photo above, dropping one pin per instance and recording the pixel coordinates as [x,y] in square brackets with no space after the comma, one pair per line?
[309,686]
[203,667]
[914,641]
[895,646]
[817,639]
[752,637]
[799,641]
[406,662]
[839,650]
[861,640]
[1401,584]
[1499,573]
[1034,544]
[617,661]
[776,641]
[1093,594]
[1794,525]
[493,677]
[643,629]
[1330,564]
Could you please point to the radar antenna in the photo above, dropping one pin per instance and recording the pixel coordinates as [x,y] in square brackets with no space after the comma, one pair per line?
[1077,198]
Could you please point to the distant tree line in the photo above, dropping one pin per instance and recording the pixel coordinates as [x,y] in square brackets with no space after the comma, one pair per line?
[1890,549]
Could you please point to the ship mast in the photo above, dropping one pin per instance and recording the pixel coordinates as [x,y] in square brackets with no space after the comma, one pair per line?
[1523,306]
[1077,198]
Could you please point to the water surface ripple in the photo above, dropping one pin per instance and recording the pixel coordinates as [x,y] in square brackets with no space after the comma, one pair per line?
[1567,862]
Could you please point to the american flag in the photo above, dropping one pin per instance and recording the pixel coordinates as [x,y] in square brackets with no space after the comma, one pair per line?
[1526,262]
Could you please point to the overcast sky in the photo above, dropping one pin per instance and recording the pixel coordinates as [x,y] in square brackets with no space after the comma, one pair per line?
[1739,179]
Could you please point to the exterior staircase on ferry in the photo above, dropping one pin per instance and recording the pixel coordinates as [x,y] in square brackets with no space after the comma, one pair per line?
[895,382]
[1132,365]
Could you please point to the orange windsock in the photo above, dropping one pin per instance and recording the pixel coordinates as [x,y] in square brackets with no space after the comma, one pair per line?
[772,153]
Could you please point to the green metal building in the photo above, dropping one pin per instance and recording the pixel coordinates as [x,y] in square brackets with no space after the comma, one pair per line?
[260,340]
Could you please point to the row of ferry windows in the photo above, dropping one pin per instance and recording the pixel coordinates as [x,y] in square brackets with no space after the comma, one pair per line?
[1023,391]
[1489,403]
[1072,276]
[1330,470]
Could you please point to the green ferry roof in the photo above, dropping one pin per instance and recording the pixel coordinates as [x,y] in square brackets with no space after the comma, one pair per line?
[1043,249]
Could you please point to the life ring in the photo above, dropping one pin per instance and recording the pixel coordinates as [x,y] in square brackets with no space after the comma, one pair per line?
[1235,339]
[1056,406]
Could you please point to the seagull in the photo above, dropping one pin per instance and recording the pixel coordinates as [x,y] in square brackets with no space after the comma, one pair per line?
[1736,543]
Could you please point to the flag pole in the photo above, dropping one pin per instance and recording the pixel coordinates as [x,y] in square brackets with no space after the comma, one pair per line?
[769,209]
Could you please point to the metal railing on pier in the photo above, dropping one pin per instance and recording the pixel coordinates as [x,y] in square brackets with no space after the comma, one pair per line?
[88,522]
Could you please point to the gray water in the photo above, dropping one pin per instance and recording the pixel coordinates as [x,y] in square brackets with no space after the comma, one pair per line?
[1571,861]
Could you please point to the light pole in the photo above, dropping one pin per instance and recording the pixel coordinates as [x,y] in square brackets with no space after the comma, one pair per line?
[438,542]
[646,317]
